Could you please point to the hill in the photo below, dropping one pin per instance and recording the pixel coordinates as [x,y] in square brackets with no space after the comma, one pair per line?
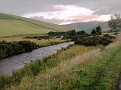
[104,26]
[15,25]
[88,26]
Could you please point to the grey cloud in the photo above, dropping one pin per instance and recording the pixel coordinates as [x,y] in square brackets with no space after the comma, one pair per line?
[29,6]
[49,20]
[20,7]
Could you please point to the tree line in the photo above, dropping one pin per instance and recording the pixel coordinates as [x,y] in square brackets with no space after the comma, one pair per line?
[67,33]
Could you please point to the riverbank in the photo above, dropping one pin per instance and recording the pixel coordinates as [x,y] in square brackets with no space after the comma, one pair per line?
[74,68]
[9,64]
[14,45]
[77,67]
[42,65]
[41,42]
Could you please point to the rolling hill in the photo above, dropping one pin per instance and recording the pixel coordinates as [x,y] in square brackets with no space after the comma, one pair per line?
[88,26]
[15,25]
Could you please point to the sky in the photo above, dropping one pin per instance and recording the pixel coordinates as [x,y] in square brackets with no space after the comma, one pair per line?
[62,11]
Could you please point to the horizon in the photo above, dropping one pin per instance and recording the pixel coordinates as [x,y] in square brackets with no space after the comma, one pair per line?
[62,12]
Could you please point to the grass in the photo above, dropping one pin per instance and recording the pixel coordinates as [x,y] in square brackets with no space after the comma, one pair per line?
[9,27]
[41,66]
[77,68]
[101,74]
[14,25]
[43,42]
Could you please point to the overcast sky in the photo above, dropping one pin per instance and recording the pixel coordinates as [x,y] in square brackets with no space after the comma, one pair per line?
[62,11]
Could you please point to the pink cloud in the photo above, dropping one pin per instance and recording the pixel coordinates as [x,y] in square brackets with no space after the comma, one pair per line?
[59,7]
[69,14]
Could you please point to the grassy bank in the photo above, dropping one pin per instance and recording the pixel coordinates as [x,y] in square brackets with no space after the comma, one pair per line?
[41,43]
[100,74]
[76,69]
[43,65]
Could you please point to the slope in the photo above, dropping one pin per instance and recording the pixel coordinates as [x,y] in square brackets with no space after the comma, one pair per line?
[15,25]
[88,26]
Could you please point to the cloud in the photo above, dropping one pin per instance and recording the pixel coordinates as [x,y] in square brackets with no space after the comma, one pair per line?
[69,14]
[20,7]
[89,18]
[62,12]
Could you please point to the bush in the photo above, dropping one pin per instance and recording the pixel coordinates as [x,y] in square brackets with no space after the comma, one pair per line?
[95,40]
[12,48]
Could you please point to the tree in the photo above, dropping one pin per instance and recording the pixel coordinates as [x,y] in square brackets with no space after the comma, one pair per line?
[99,30]
[71,33]
[81,32]
[115,23]
[93,32]
[51,33]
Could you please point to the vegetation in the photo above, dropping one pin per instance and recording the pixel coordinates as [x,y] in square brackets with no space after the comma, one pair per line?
[93,32]
[75,68]
[115,23]
[14,25]
[10,27]
[71,35]
[67,33]
[42,42]
[41,65]
[71,69]
[100,74]
[98,31]
[11,48]
[95,40]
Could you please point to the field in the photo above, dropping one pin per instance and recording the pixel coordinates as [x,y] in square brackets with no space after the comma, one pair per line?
[15,25]
[43,42]
[15,28]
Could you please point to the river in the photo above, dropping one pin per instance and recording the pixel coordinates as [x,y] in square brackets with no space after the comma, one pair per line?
[7,65]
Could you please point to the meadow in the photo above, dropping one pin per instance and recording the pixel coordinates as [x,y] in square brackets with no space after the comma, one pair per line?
[14,25]
[41,43]
[9,27]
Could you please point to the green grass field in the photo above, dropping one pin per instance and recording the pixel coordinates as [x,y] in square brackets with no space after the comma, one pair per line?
[15,25]
[43,42]
[10,27]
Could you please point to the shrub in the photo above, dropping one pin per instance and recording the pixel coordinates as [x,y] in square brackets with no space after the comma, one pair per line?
[95,40]
[12,48]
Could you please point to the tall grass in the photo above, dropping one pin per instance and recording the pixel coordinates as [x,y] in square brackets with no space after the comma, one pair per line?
[100,74]
[75,69]
[42,65]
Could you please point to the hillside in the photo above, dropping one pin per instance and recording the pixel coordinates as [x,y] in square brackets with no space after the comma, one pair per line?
[15,25]
[103,25]
[88,26]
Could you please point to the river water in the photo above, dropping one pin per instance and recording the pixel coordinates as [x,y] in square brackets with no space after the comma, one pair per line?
[16,62]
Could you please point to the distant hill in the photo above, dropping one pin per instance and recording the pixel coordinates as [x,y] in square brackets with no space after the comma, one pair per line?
[88,26]
[103,25]
[15,25]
